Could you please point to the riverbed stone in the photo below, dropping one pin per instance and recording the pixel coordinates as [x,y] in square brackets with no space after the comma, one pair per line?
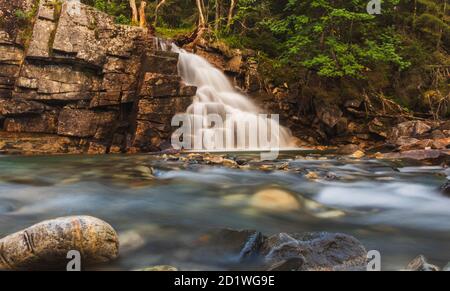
[420,264]
[46,244]
[445,189]
[314,252]
[162,268]
[275,200]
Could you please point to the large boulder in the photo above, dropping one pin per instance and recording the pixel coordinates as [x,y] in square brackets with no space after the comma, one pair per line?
[47,244]
[314,252]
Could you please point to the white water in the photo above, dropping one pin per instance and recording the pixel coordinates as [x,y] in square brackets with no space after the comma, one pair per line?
[216,95]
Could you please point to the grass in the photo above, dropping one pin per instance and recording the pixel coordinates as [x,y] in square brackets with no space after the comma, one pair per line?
[165,32]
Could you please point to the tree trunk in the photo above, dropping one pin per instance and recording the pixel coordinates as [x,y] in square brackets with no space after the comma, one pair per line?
[218,14]
[134,11]
[231,12]
[202,20]
[441,31]
[161,3]
[143,21]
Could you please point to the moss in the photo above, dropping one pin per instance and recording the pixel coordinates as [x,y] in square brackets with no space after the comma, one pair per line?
[25,20]
[165,32]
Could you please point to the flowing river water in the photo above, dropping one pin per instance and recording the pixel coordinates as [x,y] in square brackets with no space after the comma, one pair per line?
[163,206]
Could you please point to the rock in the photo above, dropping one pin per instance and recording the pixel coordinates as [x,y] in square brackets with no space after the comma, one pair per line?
[418,155]
[82,76]
[19,107]
[275,200]
[420,264]
[85,123]
[312,176]
[353,103]
[130,241]
[45,245]
[376,126]
[358,155]
[314,252]
[42,123]
[244,245]
[167,65]
[409,129]
[329,115]
[445,189]
[163,268]
[348,149]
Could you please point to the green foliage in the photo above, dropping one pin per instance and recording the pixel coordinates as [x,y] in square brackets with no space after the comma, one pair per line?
[334,38]
[118,8]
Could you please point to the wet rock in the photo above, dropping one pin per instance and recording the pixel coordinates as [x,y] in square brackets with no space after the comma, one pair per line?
[243,245]
[130,241]
[419,155]
[420,264]
[45,245]
[162,268]
[275,200]
[445,189]
[358,155]
[314,252]
[312,176]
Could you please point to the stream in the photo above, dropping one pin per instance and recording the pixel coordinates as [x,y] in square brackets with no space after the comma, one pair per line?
[162,206]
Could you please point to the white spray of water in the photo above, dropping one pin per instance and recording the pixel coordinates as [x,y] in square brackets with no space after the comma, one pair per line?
[217,96]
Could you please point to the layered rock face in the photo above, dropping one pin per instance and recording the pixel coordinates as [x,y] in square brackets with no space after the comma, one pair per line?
[82,84]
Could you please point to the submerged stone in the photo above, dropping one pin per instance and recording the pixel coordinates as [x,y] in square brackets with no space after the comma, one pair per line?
[275,200]
[314,252]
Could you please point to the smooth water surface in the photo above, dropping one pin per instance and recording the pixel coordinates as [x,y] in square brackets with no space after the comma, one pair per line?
[395,208]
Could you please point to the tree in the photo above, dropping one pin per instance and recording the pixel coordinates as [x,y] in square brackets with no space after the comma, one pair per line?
[159,4]
[218,18]
[142,16]
[201,13]
[231,13]
[134,12]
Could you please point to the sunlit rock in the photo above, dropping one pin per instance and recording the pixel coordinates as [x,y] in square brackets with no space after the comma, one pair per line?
[275,200]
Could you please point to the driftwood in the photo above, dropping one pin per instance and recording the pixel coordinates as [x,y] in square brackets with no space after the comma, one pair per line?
[46,245]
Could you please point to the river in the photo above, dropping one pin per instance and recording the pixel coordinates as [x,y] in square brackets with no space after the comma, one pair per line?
[162,206]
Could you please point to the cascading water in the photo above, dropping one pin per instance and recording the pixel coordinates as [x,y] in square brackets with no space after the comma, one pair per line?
[244,125]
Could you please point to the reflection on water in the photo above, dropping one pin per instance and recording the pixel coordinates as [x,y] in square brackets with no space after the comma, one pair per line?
[161,207]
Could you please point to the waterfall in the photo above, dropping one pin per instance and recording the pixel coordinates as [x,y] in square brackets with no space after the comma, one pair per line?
[244,126]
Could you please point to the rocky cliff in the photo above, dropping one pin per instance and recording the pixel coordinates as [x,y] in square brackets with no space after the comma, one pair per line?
[72,81]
